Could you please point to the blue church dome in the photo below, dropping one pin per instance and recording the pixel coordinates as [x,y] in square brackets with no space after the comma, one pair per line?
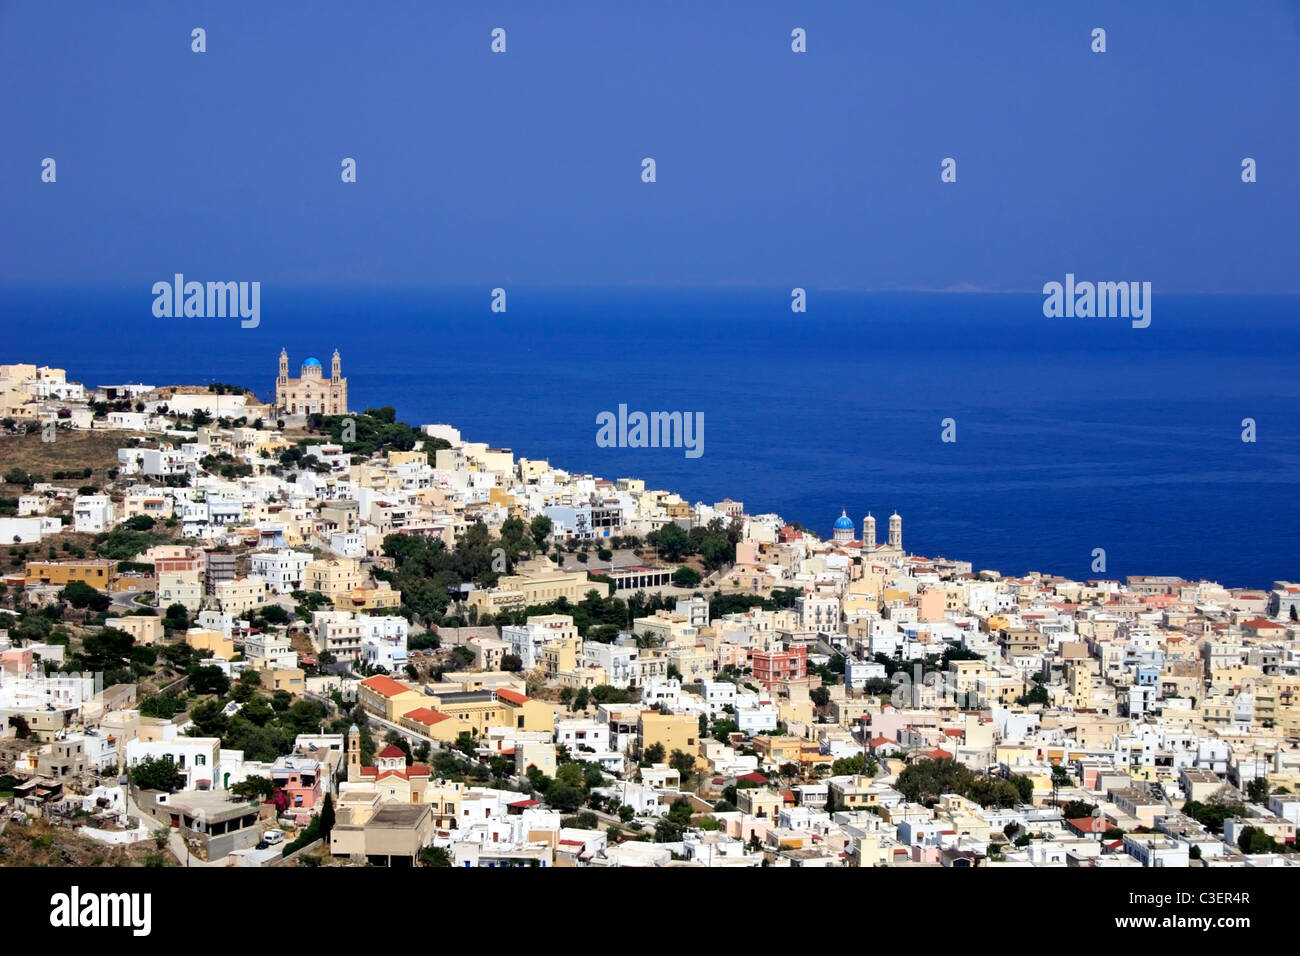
[843,522]
[311,361]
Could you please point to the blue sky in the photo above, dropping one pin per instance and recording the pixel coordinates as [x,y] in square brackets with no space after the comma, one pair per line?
[774,168]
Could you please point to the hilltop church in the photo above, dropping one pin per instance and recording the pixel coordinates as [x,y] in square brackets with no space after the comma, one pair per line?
[311,391]
[843,535]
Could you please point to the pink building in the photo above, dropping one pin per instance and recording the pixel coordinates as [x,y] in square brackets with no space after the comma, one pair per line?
[302,780]
[772,666]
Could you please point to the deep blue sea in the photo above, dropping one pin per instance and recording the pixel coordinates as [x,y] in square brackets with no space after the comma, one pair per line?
[1072,434]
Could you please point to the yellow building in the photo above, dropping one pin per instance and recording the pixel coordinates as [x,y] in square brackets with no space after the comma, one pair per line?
[335,578]
[241,595]
[560,655]
[436,725]
[445,716]
[202,639]
[759,802]
[524,713]
[98,573]
[291,679]
[145,630]
[671,731]
[379,598]
[535,585]
[389,698]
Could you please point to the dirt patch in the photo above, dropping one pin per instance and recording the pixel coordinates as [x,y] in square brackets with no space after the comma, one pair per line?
[40,844]
[71,449]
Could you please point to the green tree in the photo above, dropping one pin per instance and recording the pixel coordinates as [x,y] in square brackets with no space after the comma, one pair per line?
[928,779]
[654,753]
[684,764]
[540,527]
[434,856]
[1212,813]
[566,799]
[1254,840]
[254,788]
[1077,809]
[327,817]
[570,775]
[686,577]
[177,618]
[156,773]
[208,679]
[672,542]
[82,595]
[1257,790]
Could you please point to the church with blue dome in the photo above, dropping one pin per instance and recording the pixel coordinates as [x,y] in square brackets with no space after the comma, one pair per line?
[843,530]
[842,534]
[311,392]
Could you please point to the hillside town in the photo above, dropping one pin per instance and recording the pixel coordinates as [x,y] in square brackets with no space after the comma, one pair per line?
[290,633]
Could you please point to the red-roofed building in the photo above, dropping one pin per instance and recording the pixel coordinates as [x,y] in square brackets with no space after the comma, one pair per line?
[1262,627]
[524,713]
[1088,826]
[435,725]
[388,698]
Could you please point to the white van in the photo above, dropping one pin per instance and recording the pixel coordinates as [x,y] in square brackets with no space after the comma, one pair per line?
[272,837]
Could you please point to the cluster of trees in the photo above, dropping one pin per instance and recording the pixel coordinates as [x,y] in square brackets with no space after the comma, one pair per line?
[115,654]
[157,773]
[1254,840]
[17,476]
[1257,791]
[34,624]
[425,567]
[1213,812]
[669,827]
[123,545]
[715,543]
[925,780]
[264,729]
[857,764]
[1038,695]
[678,760]
[81,596]
[226,465]
[15,427]
[1077,809]
[571,787]
[374,430]
[595,617]
[297,459]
